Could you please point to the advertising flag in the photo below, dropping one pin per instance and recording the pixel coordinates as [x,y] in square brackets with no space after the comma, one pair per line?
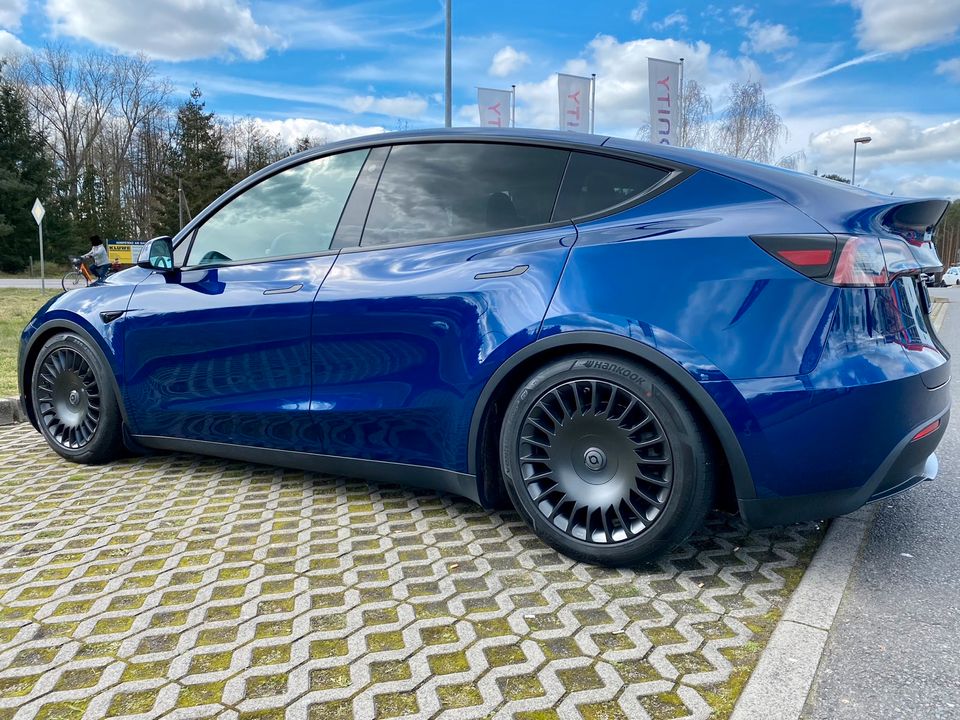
[495,107]
[575,107]
[664,78]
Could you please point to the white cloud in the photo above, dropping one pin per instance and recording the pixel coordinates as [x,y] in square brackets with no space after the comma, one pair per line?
[741,15]
[897,141]
[336,98]
[292,129]
[767,38]
[929,186]
[10,45]
[508,60]
[675,18]
[10,13]
[165,29]
[898,26]
[638,12]
[950,68]
[803,79]
[409,106]
[321,26]
[621,68]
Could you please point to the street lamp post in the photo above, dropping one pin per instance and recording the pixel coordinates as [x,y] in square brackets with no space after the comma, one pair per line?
[857,141]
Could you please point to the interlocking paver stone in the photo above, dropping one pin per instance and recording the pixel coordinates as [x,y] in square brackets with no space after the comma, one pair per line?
[186,587]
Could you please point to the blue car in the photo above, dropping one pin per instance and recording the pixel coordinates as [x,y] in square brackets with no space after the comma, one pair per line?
[612,336]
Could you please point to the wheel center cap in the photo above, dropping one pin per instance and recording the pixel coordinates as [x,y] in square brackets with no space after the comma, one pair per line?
[74,397]
[595,459]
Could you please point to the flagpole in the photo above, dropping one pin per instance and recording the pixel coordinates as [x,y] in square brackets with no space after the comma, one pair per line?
[683,118]
[448,72]
[513,106]
[593,101]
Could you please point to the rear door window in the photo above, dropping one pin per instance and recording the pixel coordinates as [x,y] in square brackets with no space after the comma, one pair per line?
[594,183]
[435,191]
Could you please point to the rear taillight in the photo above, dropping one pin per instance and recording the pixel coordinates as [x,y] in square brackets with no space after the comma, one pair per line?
[845,261]
[860,263]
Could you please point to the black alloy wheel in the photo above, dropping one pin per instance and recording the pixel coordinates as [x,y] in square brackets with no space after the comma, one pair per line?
[605,461]
[74,402]
[68,397]
[595,461]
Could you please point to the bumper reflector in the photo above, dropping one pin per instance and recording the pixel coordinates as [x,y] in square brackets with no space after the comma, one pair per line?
[931,428]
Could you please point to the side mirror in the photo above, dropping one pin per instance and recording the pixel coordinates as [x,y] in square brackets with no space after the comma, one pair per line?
[156,254]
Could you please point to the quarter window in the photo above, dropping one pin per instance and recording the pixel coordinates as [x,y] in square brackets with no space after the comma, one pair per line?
[433,191]
[293,212]
[595,182]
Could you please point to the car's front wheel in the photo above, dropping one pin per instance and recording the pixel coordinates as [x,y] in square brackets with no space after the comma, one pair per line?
[74,401]
[605,460]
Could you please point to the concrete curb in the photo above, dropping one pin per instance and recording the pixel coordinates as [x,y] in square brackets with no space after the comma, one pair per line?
[781,682]
[10,411]
[779,685]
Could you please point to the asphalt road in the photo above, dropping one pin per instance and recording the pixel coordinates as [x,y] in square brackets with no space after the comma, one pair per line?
[51,282]
[893,649]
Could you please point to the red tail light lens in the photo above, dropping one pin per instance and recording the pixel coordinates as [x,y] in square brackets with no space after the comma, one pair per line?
[846,261]
[811,255]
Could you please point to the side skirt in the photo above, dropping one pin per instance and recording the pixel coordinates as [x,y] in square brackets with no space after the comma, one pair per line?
[462,484]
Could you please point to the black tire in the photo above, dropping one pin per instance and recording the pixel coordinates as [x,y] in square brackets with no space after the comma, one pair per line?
[73,280]
[74,401]
[605,461]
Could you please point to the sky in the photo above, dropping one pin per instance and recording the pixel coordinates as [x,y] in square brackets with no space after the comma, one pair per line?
[833,69]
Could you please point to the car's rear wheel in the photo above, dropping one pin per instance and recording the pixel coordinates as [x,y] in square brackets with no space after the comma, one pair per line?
[605,460]
[74,401]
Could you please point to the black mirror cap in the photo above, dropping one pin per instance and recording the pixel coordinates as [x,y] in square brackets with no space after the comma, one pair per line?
[157,254]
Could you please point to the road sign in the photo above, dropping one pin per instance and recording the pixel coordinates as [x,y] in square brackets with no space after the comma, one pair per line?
[38,212]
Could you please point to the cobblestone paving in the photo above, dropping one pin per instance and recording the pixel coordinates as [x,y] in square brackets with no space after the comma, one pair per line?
[183,587]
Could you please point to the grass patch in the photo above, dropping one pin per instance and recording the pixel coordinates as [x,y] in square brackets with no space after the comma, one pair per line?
[17,306]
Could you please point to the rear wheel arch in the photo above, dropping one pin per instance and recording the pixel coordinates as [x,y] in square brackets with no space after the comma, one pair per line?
[733,480]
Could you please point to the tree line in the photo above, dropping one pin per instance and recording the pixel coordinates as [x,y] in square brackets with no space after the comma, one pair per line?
[101,140]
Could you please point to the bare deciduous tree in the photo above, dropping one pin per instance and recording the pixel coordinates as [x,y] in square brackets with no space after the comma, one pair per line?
[70,96]
[696,109]
[750,127]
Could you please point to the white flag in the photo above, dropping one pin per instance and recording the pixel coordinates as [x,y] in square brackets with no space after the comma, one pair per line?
[495,107]
[664,78]
[574,102]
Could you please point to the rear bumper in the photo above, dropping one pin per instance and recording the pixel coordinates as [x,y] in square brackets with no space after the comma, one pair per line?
[910,463]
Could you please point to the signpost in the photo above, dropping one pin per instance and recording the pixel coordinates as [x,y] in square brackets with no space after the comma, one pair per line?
[38,212]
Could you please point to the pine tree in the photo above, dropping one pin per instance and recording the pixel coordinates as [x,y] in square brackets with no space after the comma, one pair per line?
[25,174]
[197,159]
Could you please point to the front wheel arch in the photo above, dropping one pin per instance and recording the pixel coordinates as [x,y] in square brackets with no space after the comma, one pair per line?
[32,350]
[487,415]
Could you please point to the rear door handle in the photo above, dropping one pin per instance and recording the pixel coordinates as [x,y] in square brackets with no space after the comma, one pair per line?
[281,291]
[512,272]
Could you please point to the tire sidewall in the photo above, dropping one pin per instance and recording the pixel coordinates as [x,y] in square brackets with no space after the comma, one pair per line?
[105,441]
[685,508]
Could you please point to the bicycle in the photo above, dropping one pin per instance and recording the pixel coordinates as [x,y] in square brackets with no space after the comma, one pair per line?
[81,275]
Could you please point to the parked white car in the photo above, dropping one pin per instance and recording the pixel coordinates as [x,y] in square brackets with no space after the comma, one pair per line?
[951,276]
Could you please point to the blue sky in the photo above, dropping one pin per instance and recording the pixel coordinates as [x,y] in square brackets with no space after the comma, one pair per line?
[834,69]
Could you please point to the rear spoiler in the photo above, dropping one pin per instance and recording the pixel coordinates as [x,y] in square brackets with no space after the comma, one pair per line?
[915,222]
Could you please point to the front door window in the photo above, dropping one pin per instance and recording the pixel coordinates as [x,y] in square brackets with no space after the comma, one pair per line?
[294,212]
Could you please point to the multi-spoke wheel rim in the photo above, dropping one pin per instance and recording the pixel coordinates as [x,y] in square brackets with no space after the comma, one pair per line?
[595,461]
[68,398]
